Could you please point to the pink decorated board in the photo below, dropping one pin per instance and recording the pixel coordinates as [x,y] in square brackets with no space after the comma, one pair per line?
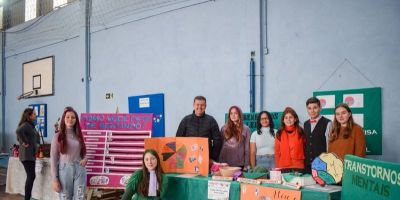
[114,145]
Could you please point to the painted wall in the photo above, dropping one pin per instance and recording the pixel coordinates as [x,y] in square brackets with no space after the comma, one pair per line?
[181,50]
[41,38]
[203,47]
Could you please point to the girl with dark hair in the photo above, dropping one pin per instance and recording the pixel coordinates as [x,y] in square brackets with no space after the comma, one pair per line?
[262,142]
[289,143]
[28,139]
[236,140]
[68,159]
[146,183]
[346,136]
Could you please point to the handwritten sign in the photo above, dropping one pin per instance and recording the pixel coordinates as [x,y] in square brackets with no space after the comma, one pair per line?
[248,191]
[218,189]
[181,154]
[114,146]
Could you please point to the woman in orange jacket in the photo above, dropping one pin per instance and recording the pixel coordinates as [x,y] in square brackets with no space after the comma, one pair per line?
[289,143]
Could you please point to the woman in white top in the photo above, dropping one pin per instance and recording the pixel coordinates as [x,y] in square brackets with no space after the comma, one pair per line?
[262,142]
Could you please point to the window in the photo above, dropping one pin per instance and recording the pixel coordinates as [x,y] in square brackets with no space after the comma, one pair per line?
[30,9]
[59,3]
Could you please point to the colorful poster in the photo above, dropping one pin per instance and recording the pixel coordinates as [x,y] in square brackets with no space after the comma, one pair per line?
[368,179]
[41,120]
[258,192]
[181,154]
[114,146]
[366,106]
[218,189]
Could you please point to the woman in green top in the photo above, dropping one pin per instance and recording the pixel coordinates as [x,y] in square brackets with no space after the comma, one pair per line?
[145,183]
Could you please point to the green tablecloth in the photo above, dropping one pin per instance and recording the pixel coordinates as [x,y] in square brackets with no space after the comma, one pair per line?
[196,188]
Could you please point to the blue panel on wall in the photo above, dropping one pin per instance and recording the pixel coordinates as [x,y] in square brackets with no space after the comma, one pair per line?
[41,120]
[152,103]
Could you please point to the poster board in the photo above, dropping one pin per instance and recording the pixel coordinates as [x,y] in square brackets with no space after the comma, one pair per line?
[366,106]
[368,179]
[257,192]
[181,154]
[152,103]
[41,120]
[114,146]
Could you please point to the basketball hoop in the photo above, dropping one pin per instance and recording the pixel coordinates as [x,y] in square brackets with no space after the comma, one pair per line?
[25,95]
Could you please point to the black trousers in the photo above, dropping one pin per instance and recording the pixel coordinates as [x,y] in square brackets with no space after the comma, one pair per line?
[30,177]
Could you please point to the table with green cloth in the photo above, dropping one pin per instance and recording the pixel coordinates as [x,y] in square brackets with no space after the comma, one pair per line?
[196,188]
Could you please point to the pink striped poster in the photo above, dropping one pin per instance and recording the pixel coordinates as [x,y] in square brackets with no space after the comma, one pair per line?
[114,145]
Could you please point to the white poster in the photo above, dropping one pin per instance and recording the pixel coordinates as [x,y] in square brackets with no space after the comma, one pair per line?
[144,102]
[354,100]
[218,189]
[359,119]
[327,101]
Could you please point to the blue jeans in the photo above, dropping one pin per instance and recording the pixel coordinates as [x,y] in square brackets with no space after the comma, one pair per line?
[267,161]
[72,178]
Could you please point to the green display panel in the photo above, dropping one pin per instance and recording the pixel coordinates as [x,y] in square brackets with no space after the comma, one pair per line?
[366,106]
[368,179]
[250,119]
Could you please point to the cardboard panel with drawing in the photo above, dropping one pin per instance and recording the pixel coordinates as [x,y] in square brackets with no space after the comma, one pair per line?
[181,154]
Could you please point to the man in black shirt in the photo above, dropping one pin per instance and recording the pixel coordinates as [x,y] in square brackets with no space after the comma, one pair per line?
[199,124]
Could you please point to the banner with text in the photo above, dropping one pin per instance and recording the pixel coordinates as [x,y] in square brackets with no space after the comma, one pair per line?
[370,179]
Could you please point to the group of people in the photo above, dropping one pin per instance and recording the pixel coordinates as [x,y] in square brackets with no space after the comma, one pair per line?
[67,154]
[290,148]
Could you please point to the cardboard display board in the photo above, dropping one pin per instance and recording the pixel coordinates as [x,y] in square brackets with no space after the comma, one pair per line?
[181,154]
[248,191]
[152,103]
[368,179]
[366,106]
[114,144]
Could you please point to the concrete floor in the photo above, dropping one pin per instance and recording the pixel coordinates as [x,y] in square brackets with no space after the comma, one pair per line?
[5,196]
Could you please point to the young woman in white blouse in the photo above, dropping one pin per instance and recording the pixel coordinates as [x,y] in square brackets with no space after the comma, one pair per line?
[262,142]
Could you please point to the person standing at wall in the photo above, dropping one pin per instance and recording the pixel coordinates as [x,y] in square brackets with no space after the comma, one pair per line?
[146,183]
[29,140]
[346,137]
[67,158]
[316,131]
[199,124]
[236,144]
[289,143]
[262,142]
